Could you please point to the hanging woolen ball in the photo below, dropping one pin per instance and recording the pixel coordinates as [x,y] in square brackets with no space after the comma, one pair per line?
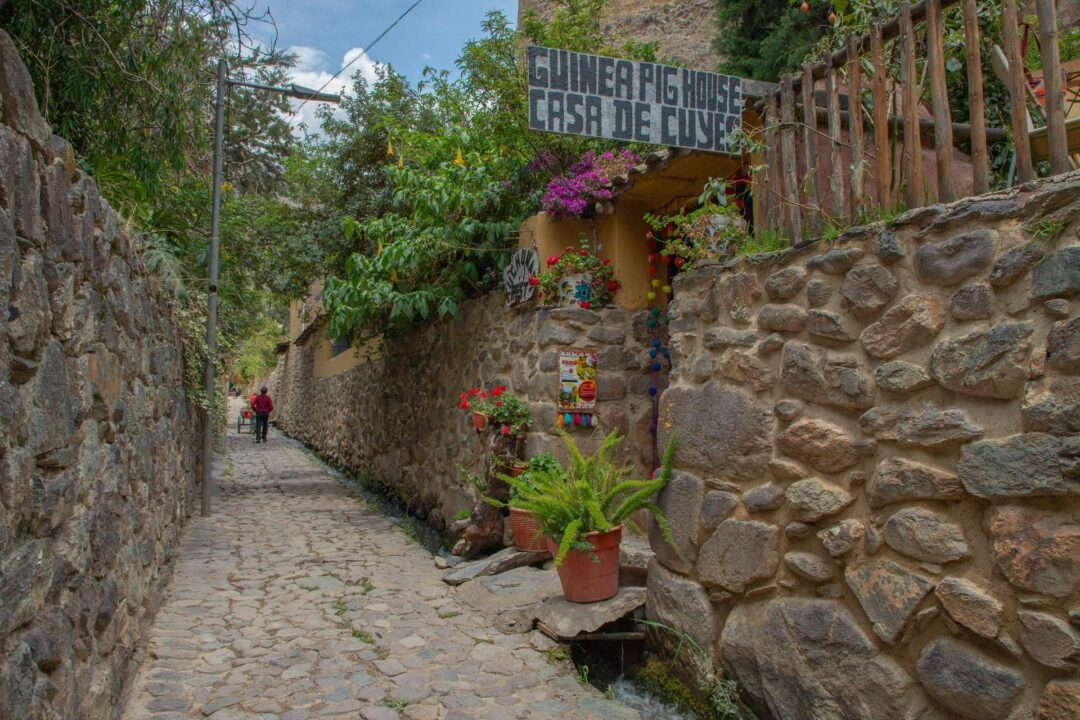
[652,353]
[657,367]
[568,419]
[667,289]
[652,391]
[656,343]
[652,323]
[667,353]
[651,295]
[655,282]
[655,312]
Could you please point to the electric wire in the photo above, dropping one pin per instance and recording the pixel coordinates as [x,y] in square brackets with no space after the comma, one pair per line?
[363,53]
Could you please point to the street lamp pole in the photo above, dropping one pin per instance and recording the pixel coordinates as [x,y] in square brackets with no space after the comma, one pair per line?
[293,91]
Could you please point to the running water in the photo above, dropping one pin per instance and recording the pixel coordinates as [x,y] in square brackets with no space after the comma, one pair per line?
[650,706]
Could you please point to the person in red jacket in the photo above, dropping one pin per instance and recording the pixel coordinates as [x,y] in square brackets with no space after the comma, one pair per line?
[263,406]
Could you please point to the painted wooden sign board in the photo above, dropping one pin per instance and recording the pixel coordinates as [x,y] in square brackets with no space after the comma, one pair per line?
[524,264]
[589,95]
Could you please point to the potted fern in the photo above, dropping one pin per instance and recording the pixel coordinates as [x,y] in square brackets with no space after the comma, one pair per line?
[524,526]
[581,510]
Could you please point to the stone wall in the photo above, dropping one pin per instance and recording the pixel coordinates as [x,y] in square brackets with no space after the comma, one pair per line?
[394,416]
[683,28]
[876,509]
[99,456]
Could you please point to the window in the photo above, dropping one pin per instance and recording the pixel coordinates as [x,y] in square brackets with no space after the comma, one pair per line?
[340,345]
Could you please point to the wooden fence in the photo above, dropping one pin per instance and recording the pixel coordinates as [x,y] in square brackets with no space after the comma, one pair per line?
[804,187]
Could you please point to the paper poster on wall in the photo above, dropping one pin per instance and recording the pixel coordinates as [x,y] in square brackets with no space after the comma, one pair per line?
[577,386]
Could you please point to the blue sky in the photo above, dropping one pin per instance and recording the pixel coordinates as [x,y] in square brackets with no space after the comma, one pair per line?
[325,34]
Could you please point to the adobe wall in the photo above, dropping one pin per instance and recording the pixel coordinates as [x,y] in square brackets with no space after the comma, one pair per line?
[394,417]
[99,446]
[876,506]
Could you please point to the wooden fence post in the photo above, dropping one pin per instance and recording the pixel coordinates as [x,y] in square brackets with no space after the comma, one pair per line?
[939,97]
[774,208]
[810,150]
[855,123]
[912,158]
[1055,105]
[980,157]
[790,160]
[1010,23]
[881,117]
[836,159]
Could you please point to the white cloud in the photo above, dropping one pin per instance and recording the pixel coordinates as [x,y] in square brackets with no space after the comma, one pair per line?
[311,71]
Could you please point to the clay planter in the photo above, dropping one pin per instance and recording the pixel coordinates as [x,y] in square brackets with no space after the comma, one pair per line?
[526,530]
[517,469]
[479,421]
[589,578]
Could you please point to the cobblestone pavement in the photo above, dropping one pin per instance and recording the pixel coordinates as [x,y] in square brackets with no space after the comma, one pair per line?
[295,601]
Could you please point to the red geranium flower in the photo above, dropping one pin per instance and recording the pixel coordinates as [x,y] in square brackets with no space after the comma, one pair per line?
[652,269]
[533,280]
[474,390]
[612,286]
[583,252]
[498,403]
[464,405]
[679,262]
[505,430]
[483,393]
[553,260]
[607,261]
[585,304]
[463,395]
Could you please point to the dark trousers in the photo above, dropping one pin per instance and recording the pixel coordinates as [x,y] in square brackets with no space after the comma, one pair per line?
[262,420]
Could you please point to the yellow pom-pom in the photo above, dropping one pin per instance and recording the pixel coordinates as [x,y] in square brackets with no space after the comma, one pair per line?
[655,283]
[667,289]
[651,295]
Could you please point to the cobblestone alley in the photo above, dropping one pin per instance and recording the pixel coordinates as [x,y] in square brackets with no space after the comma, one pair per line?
[296,601]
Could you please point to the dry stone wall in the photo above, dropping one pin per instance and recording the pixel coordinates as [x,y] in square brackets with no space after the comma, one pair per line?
[98,444]
[876,508]
[394,416]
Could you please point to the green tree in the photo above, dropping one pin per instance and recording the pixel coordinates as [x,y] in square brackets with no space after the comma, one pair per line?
[763,39]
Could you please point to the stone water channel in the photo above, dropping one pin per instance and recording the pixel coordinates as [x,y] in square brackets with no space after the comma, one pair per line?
[297,599]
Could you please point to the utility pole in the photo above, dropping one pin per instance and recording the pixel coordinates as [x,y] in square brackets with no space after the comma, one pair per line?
[293,91]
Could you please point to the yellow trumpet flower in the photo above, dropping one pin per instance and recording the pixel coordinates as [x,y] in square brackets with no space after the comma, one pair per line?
[389,148]
[459,160]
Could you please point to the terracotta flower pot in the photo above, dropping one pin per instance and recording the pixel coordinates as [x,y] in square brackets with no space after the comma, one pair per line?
[517,469]
[592,577]
[526,530]
[479,420]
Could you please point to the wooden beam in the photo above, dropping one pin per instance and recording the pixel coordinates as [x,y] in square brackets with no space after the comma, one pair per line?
[855,119]
[980,157]
[770,187]
[881,117]
[939,98]
[1010,23]
[912,157]
[836,160]
[1055,104]
[789,160]
[813,180]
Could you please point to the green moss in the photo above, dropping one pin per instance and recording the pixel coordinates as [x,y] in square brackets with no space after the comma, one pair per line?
[655,678]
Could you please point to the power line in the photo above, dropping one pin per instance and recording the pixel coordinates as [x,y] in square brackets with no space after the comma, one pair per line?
[363,52]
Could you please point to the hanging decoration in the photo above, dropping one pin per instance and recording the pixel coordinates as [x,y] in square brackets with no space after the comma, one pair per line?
[577,388]
[659,355]
[523,266]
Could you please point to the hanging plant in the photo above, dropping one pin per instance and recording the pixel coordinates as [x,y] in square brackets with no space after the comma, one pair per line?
[575,194]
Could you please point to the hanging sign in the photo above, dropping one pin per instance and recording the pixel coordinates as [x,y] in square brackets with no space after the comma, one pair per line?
[589,95]
[577,387]
[524,264]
